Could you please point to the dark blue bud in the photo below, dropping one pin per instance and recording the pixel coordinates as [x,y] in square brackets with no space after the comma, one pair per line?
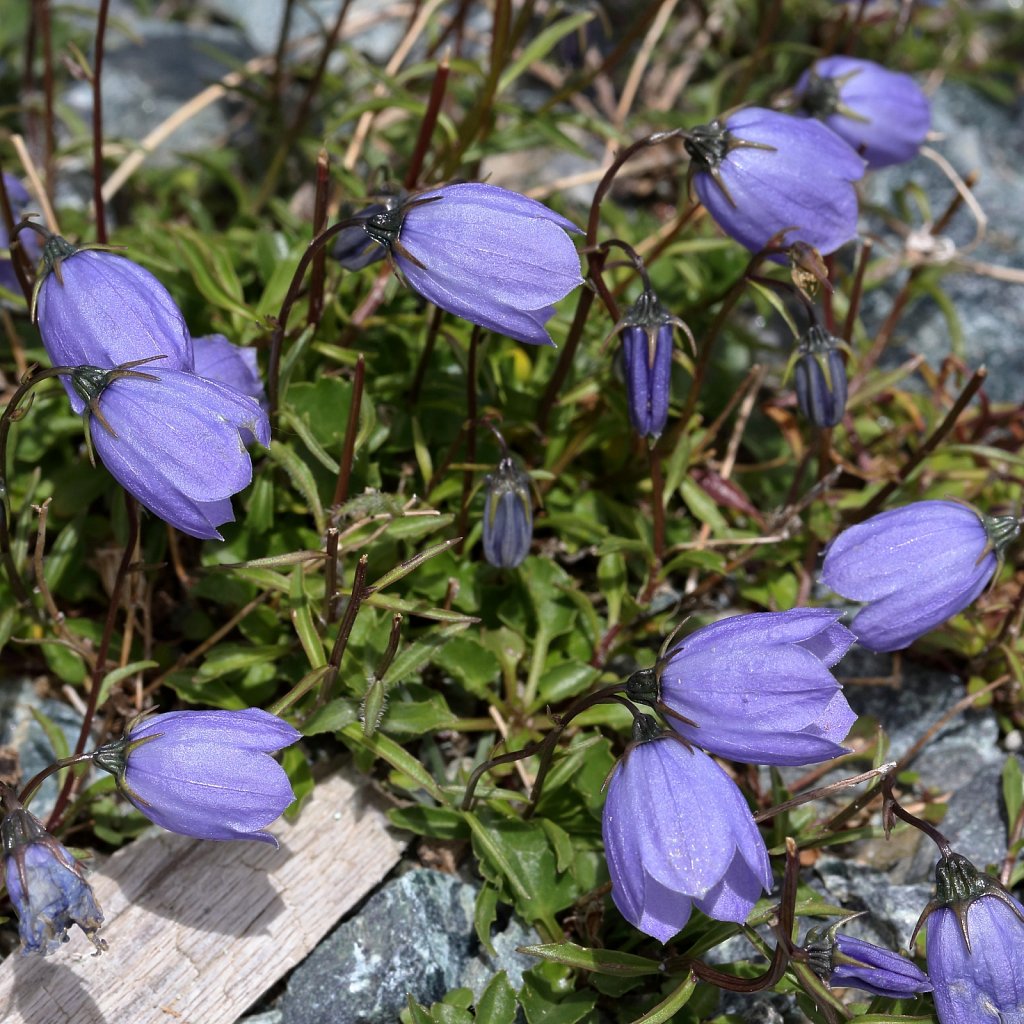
[508,516]
[820,378]
[847,962]
[353,247]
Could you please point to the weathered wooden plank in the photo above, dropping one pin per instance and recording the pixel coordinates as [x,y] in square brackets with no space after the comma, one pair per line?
[197,931]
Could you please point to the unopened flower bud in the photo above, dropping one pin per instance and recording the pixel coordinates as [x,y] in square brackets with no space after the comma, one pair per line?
[508,516]
[820,378]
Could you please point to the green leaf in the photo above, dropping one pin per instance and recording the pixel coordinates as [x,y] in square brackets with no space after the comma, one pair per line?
[466,660]
[111,679]
[601,961]
[666,1010]
[1013,790]
[332,717]
[437,822]
[497,1004]
[485,913]
[300,774]
[54,734]
[547,997]
[302,620]
[541,45]
[398,757]
[302,478]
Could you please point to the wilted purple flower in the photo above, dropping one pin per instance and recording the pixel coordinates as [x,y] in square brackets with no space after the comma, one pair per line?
[20,200]
[172,439]
[883,114]
[207,774]
[46,885]
[756,687]
[853,963]
[820,377]
[761,173]
[678,834]
[98,309]
[975,944]
[508,516]
[915,566]
[484,253]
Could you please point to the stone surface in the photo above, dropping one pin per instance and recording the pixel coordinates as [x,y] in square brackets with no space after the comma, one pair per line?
[414,936]
[978,135]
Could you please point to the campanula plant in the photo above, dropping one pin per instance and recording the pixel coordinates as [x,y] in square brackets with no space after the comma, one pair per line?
[915,567]
[508,515]
[97,308]
[760,173]
[819,375]
[173,440]
[207,774]
[883,114]
[678,834]
[484,253]
[756,687]
[45,883]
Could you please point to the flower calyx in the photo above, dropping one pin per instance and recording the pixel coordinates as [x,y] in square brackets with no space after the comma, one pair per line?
[709,145]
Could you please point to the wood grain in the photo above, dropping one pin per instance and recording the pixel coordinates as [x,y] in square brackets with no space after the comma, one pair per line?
[197,931]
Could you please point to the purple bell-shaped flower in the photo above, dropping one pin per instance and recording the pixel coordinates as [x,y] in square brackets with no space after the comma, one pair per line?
[761,174]
[206,774]
[883,114]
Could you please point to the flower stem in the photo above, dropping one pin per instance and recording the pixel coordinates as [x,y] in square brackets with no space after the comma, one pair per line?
[97,124]
[351,429]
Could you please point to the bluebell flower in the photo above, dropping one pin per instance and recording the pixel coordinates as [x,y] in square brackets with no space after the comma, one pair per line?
[756,687]
[678,834]
[173,440]
[847,962]
[508,516]
[915,567]
[207,774]
[975,947]
[883,114]
[820,377]
[219,360]
[484,253]
[96,308]
[46,886]
[20,200]
[760,173]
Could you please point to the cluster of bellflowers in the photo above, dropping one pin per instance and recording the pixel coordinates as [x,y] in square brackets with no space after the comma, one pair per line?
[168,415]
[204,774]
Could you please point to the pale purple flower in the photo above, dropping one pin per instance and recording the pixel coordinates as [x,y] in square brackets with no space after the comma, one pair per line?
[678,834]
[207,774]
[99,309]
[173,440]
[484,253]
[761,173]
[883,114]
[508,516]
[217,359]
[820,378]
[756,687]
[46,886]
[975,949]
[915,567]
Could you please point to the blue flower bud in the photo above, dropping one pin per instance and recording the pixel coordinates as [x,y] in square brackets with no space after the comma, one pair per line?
[46,885]
[678,834]
[761,173]
[820,378]
[484,253]
[883,114]
[915,567]
[206,774]
[508,516]
[975,939]
[847,962]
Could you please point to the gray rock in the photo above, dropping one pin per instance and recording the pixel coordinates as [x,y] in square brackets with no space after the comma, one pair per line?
[20,730]
[415,936]
[978,135]
[763,1008]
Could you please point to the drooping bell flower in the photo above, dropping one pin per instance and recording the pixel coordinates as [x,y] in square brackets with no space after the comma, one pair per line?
[46,885]
[975,943]
[761,173]
[915,567]
[678,834]
[489,255]
[757,687]
[206,774]
[848,962]
[20,201]
[883,114]
[96,308]
[353,248]
[219,360]
[508,516]
[820,377]
[173,440]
